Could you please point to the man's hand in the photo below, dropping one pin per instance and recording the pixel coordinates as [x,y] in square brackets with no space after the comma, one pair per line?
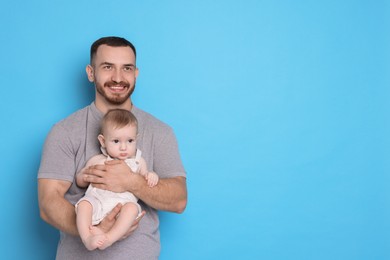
[113,176]
[108,222]
[135,224]
[170,194]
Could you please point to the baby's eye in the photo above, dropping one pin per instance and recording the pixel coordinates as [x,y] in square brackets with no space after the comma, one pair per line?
[116,141]
[131,140]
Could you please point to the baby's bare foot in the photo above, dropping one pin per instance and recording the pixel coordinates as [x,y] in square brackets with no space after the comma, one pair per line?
[95,231]
[107,243]
[95,241]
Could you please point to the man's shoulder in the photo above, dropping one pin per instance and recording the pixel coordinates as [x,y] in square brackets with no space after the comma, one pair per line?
[75,118]
[148,120]
[73,122]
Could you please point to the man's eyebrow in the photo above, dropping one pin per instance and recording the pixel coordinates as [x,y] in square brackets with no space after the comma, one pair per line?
[106,63]
[111,64]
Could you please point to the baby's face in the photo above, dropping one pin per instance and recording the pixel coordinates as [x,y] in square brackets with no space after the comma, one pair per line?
[121,142]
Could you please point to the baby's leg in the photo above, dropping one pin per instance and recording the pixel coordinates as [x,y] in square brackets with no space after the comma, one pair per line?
[123,223]
[92,237]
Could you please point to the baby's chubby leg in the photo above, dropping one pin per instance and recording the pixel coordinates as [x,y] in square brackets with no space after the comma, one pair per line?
[123,223]
[91,236]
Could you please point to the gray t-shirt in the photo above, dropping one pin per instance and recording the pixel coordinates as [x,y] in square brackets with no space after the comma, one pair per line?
[69,145]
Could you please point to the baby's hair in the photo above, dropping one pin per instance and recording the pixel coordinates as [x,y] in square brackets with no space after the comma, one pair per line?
[118,118]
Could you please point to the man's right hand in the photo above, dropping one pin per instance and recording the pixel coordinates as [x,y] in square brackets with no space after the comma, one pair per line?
[108,222]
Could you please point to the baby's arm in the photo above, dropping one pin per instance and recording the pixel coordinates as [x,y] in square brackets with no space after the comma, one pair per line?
[97,159]
[151,177]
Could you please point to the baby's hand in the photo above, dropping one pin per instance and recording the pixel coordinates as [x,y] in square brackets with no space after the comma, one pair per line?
[80,179]
[152,179]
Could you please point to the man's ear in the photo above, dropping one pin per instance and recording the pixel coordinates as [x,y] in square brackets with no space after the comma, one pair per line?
[101,140]
[89,71]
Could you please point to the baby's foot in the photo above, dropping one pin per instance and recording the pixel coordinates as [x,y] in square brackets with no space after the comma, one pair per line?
[94,230]
[107,243]
[94,241]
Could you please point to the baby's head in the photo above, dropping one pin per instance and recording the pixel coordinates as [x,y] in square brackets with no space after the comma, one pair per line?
[118,135]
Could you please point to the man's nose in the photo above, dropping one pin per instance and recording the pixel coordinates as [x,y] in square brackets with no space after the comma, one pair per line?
[117,76]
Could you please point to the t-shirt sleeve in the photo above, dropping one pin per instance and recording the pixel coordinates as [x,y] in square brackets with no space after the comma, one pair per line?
[167,162]
[58,160]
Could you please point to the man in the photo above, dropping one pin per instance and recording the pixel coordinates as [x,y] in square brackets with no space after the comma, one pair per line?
[73,141]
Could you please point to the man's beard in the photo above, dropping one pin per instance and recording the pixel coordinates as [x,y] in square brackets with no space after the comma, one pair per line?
[115,99]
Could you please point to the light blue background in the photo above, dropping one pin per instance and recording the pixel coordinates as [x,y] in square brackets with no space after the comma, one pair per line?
[281,109]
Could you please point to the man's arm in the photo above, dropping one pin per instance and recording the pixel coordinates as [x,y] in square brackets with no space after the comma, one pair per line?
[170,194]
[58,212]
[54,208]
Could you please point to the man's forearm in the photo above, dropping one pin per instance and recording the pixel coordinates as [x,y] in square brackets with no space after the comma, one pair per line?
[169,194]
[62,217]
[55,209]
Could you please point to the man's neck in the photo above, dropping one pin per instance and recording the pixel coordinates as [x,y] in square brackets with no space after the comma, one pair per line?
[104,106]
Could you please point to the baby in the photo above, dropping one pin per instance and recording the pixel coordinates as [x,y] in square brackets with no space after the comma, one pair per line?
[118,136]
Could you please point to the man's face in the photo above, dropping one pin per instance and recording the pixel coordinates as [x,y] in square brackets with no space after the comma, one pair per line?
[114,73]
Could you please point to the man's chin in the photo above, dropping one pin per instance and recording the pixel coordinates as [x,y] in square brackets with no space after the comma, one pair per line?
[118,100]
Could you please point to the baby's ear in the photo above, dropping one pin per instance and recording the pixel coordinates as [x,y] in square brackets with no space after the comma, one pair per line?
[101,140]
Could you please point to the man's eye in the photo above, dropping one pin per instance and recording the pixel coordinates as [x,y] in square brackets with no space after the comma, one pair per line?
[107,67]
[130,68]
